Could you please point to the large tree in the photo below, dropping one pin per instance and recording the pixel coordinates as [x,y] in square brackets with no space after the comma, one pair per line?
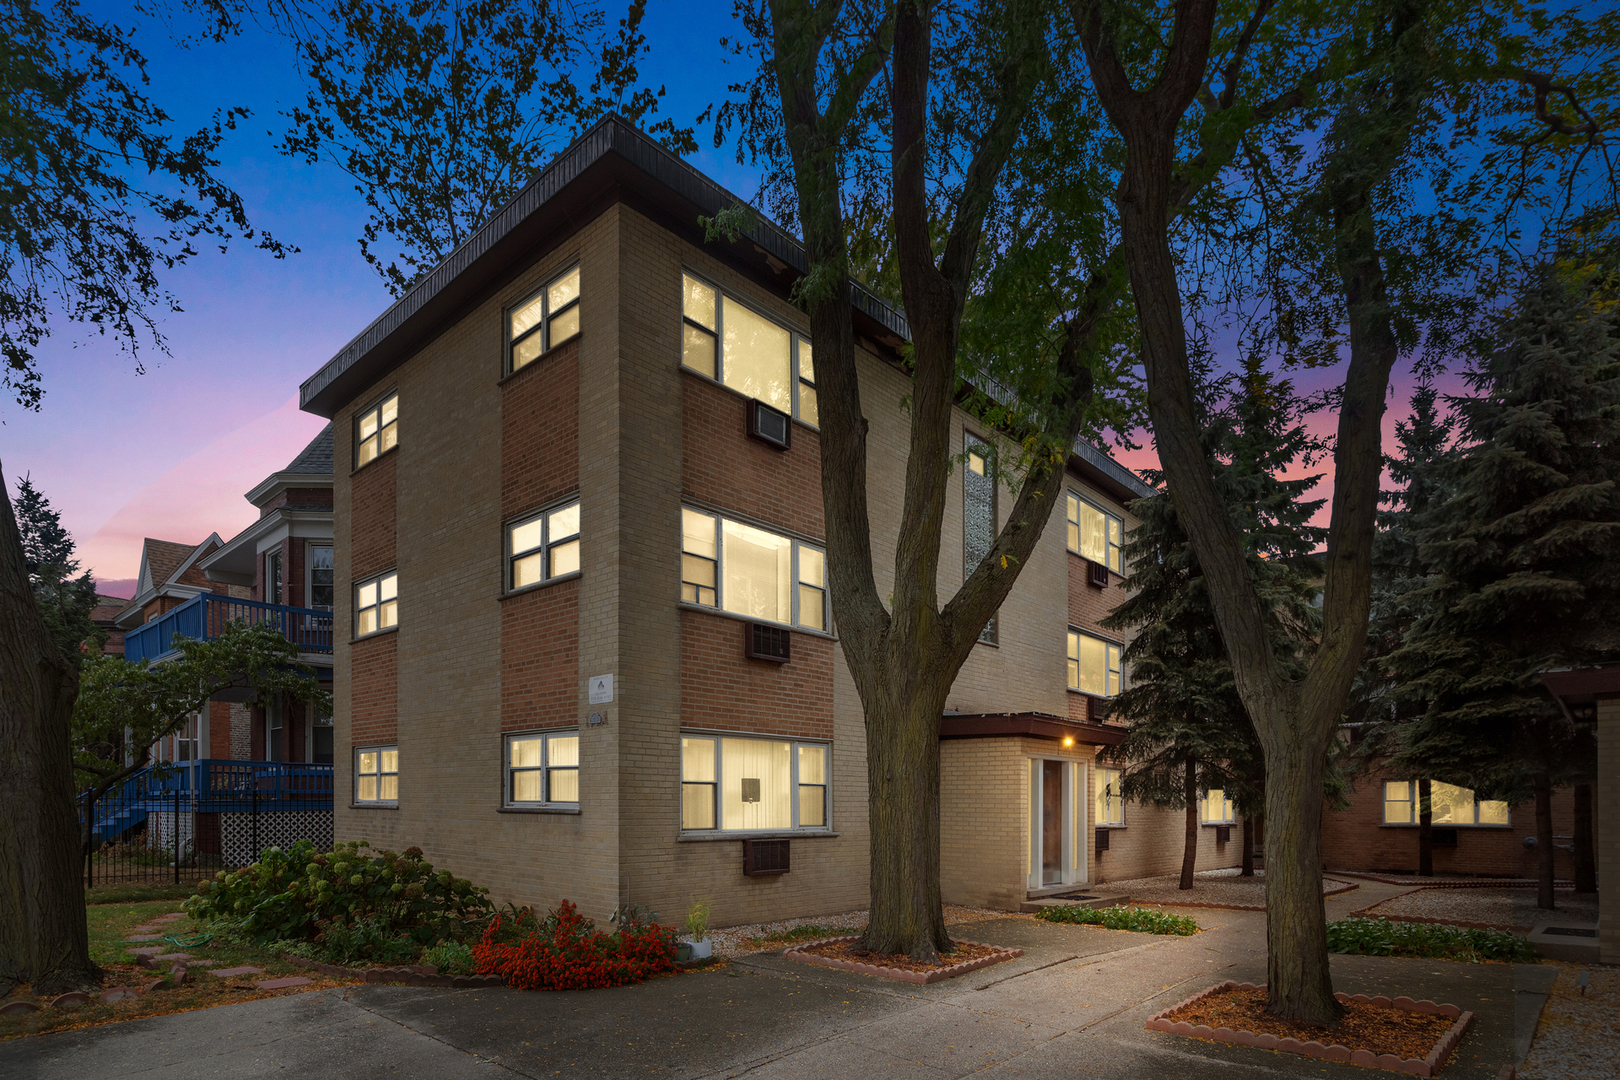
[65,597]
[1524,575]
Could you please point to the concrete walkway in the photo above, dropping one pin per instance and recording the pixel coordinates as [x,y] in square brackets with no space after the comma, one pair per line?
[1074,1003]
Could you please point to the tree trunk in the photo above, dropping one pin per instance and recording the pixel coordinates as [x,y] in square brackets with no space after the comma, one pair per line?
[1298,981]
[1585,854]
[902,772]
[43,935]
[1189,849]
[1544,841]
[1425,830]
[1248,846]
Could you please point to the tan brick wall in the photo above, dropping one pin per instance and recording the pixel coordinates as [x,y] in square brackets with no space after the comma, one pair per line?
[1606,811]
[1358,839]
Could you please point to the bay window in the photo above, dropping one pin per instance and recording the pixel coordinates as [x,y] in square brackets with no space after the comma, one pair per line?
[1094,665]
[738,784]
[751,572]
[753,354]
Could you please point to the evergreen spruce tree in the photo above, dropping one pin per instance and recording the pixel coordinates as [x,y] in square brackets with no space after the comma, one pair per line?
[1189,729]
[1524,557]
[65,597]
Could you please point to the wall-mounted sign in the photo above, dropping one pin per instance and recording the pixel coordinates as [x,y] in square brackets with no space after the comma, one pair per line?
[601,689]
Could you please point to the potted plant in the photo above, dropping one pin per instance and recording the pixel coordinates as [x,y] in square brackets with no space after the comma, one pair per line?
[697,929]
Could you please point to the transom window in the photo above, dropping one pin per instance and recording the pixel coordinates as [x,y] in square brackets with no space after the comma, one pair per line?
[376,604]
[542,547]
[752,354]
[1110,803]
[543,321]
[376,774]
[1215,808]
[1095,534]
[1449,805]
[751,572]
[752,785]
[376,431]
[543,769]
[1094,665]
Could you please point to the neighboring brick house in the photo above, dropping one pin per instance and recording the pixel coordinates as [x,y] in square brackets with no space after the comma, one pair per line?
[584,646]
[285,557]
[105,615]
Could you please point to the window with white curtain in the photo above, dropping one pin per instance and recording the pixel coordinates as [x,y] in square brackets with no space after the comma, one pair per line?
[1096,534]
[1094,665]
[742,784]
[752,572]
[753,354]
[542,769]
[1215,808]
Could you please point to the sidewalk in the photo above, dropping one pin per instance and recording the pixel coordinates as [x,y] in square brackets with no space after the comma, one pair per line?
[1075,1002]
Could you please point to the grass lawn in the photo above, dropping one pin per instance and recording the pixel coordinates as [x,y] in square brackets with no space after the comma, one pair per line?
[110,925]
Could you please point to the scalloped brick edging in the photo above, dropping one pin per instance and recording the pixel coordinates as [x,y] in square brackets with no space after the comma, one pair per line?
[921,977]
[1428,1066]
[418,975]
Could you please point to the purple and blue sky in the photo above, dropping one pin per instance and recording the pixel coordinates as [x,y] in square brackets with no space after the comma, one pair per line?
[169,453]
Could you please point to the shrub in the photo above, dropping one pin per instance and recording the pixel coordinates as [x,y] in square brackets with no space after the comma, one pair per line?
[450,957]
[1142,920]
[358,902]
[565,951]
[1381,937]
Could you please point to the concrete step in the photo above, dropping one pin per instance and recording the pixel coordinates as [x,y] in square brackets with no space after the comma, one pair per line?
[1087,898]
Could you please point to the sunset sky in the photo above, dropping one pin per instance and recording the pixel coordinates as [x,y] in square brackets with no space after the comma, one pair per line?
[169,453]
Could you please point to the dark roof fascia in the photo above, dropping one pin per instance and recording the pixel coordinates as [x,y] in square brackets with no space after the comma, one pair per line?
[1037,725]
[1108,475]
[1581,685]
[612,156]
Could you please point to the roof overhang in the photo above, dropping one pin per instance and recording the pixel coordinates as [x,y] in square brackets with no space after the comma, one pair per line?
[1107,475]
[1032,724]
[127,618]
[276,483]
[1577,686]
[236,563]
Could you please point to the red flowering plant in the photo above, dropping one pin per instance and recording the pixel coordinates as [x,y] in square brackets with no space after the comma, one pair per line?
[565,951]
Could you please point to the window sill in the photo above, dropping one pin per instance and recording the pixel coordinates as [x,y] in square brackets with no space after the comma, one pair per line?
[539,360]
[1414,825]
[384,632]
[686,605]
[391,450]
[558,580]
[539,809]
[703,837]
[1106,825]
[1219,824]
[374,806]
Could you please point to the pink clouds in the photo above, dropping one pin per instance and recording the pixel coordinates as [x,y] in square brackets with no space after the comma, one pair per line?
[200,495]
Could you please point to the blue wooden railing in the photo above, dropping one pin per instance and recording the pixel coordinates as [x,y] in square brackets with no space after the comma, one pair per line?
[206,615]
[209,786]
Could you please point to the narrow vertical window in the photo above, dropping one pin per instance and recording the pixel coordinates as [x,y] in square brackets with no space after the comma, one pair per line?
[812,787]
[699,330]
[542,547]
[376,604]
[812,588]
[809,405]
[1110,803]
[272,577]
[1398,802]
[699,558]
[979,515]
[321,579]
[543,321]
[697,783]
[376,431]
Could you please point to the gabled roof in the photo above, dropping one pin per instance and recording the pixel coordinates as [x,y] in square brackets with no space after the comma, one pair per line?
[160,560]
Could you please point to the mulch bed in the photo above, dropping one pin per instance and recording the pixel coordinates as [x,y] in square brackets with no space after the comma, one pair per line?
[846,954]
[1406,1036]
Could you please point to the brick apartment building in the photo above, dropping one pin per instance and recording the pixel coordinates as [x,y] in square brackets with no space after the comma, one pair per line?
[584,648]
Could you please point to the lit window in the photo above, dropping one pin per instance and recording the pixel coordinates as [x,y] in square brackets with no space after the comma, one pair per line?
[752,572]
[542,770]
[543,321]
[1449,805]
[542,547]
[1095,534]
[754,355]
[979,515]
[376,431]
[752,785]
[376,774]
[1110,803]
[1215,808]
[376,604]
[1094,665]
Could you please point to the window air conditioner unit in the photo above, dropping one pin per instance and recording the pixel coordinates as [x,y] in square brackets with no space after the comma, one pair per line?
[1223,834]
[1443,838]
[765,857]
[769,425]
[762,641]
[1102,840]
[1099,574]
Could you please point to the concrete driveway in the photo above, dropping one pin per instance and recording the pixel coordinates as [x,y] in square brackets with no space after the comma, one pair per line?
[1074,1004]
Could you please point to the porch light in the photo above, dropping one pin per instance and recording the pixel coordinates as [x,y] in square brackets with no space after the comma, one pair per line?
[1068,740]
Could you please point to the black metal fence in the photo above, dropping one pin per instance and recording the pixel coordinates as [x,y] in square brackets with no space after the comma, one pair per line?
[182,821]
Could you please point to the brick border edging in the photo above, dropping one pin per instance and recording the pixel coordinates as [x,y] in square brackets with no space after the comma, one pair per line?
[1351,887]
[418,975]
[1428,1066]
[920,977]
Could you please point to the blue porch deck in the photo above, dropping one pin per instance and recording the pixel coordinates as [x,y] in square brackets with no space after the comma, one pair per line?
[206,615]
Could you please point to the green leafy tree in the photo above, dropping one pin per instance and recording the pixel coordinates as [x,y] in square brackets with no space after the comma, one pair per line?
[123,709]
[97,197]
[1189,728]
[442,110]
[1523,557]
[65,601]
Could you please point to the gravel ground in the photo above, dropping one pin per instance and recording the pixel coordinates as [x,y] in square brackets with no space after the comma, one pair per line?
[738,940]
[1498,907]
[1209,887]
[1578,1036]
